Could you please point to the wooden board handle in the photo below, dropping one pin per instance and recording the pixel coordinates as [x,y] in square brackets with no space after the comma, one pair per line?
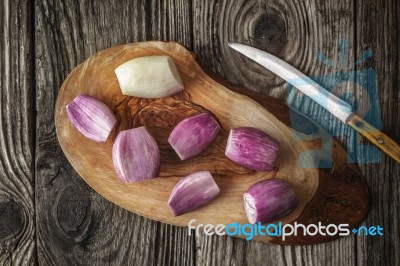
[379,139]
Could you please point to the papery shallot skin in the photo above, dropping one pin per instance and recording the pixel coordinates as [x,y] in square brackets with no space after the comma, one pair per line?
[194,134]
[192,192]
[252,148]
[91,117]
[136,156]
[269,200]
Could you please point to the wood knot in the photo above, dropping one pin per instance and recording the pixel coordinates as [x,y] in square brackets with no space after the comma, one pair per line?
[11,219]
[268,31]
[72,210]
[159,116]
[342,204]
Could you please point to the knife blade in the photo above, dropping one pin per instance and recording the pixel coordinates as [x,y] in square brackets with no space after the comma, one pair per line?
[336,106]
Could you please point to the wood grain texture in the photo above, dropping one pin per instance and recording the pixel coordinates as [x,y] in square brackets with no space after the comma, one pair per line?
[17,223]
[294,31]
[378,28]
[69,31]
[75,225]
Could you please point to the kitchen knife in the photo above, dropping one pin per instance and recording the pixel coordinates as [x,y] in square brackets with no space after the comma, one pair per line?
[339,108]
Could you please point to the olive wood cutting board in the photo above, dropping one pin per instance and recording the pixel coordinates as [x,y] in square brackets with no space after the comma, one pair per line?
[335,195]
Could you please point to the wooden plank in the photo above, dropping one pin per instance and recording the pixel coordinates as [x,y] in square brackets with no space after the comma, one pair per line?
[294,31]
[67,33]
[378,28]
[75,225]
[17,224]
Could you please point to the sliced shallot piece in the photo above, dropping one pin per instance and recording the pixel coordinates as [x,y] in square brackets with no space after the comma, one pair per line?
[192,135]
[91,117]
[269,200]
[136,155]
[192,192]
[252,148]
[149,77]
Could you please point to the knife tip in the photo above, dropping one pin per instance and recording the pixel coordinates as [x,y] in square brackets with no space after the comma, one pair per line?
[233,45]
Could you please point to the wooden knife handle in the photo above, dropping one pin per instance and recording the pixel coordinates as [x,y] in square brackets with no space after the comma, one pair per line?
[379,139]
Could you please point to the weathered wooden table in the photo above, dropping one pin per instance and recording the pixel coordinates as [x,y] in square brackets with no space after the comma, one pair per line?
[49,216]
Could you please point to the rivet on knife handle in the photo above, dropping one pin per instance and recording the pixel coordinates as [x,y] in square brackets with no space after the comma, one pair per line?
[379,139]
